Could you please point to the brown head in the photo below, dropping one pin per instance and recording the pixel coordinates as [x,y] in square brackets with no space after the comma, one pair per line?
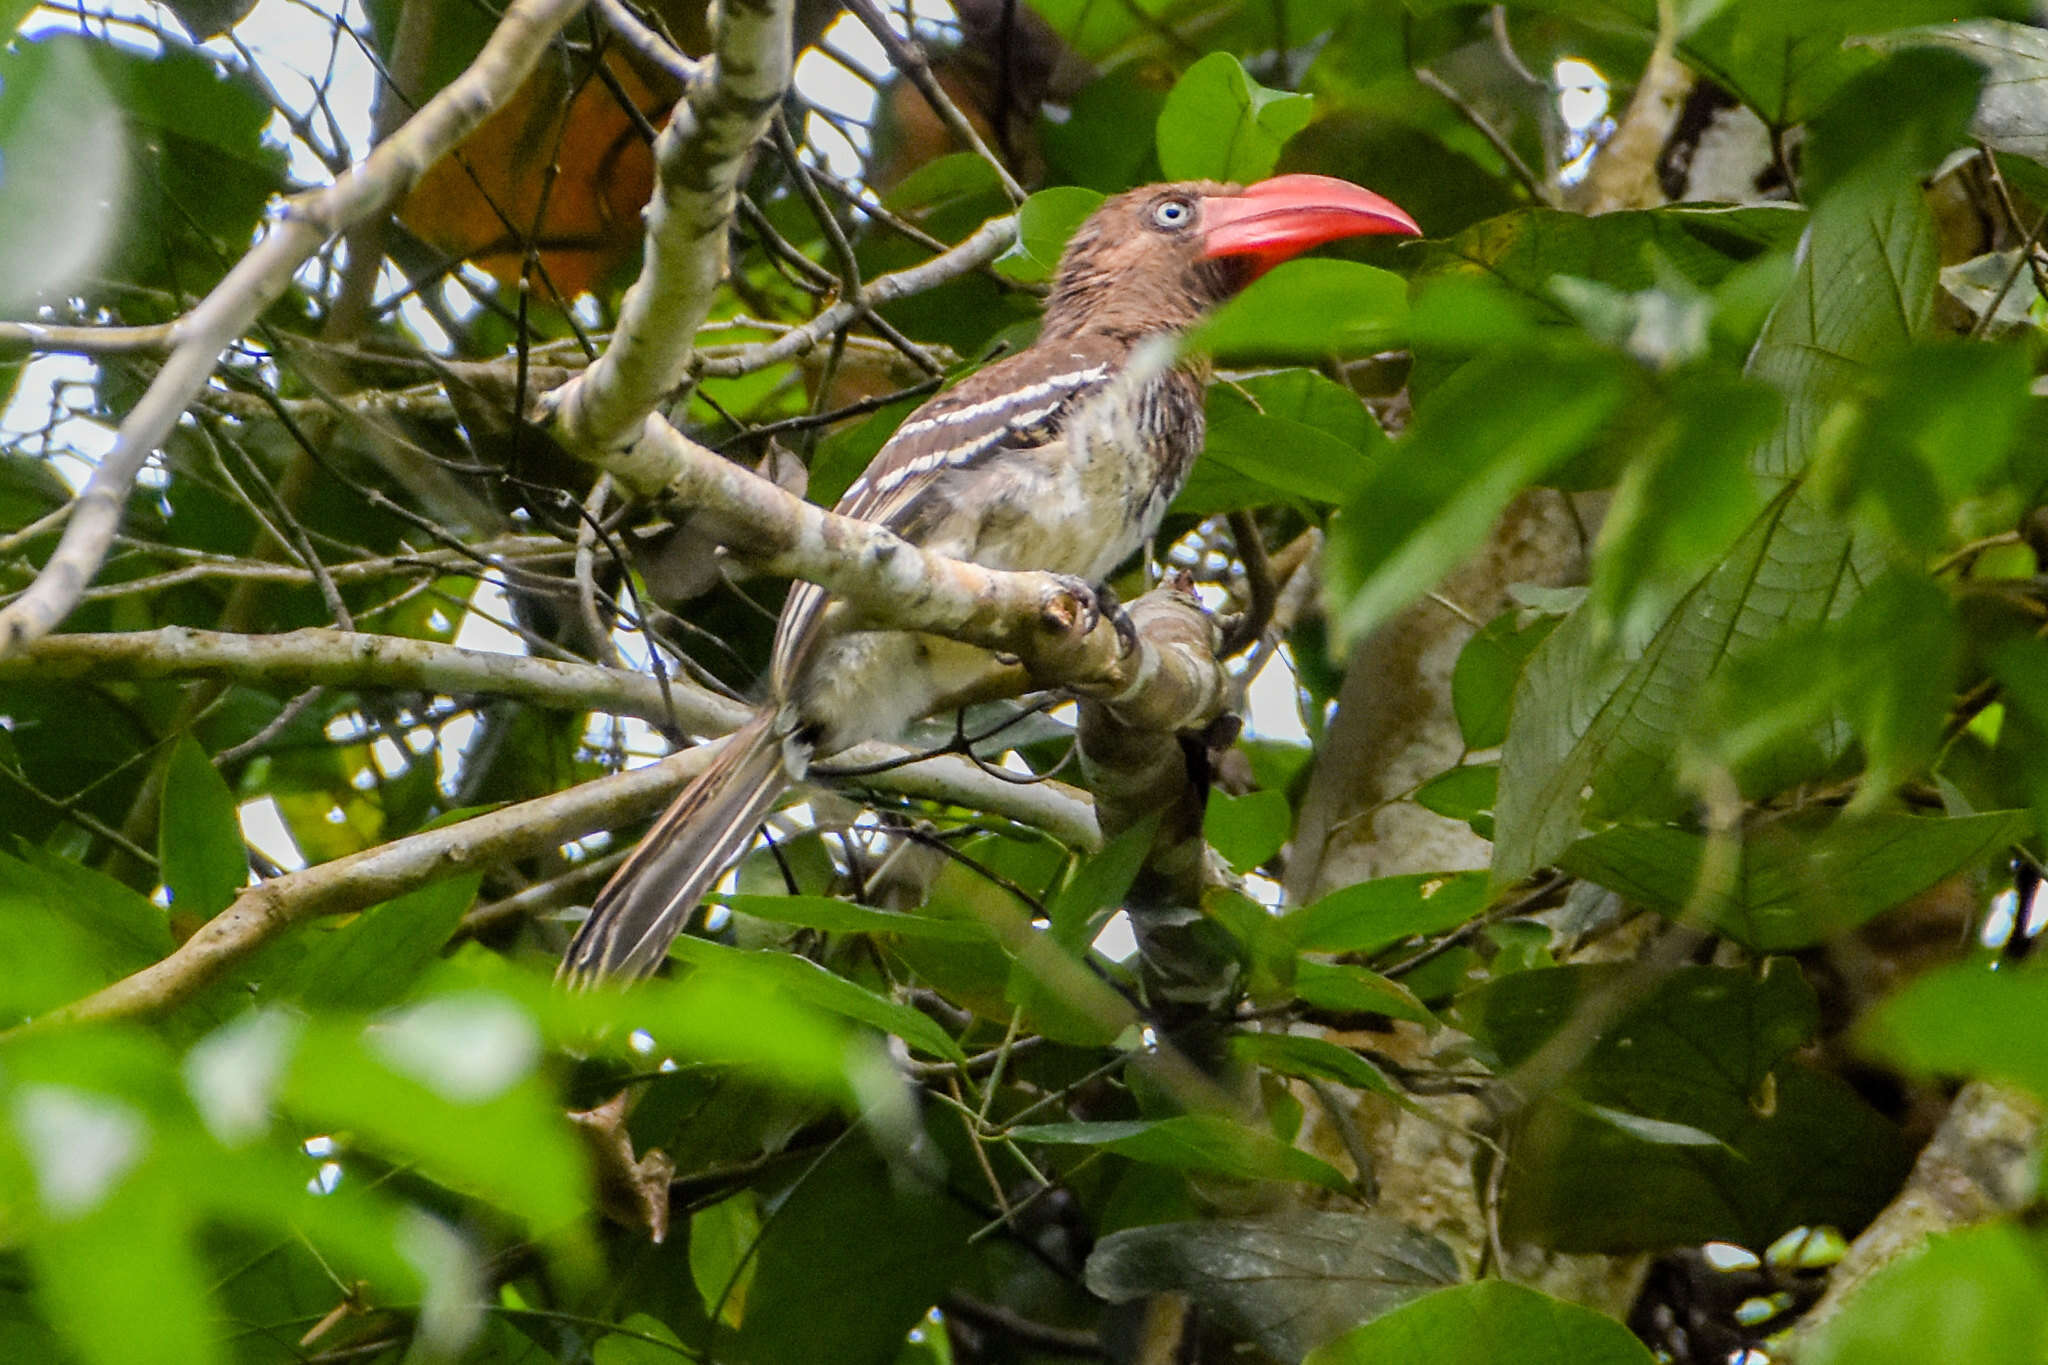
[1158,257]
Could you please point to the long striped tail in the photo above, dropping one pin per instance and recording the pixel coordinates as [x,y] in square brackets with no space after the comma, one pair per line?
[648,900]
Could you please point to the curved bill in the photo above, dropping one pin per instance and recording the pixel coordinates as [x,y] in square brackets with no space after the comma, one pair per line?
[1278,219]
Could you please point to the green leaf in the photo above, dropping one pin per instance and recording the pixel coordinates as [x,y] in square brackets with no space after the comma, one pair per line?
[1286,457]
[836,916]
[1466,794]
[1981,1292]
[1524,251]
[1706,1052]
[722,1239]
[1100,882]
[1797,882]
[1306,310]
[806,983]
[1492,1322]
[1368,916]
[1686,493]
[1966,1021]
[1044,223]
[201,855]
[418,1086]
[1313,1059]
[1247,830]
[1193,1142]
[1220,124]
[1599,715]
[1350,989]
[1483,680]
[374,959]
[1287,1283]
[1497,426]
[878,1239]
[63,163]
[2012,109]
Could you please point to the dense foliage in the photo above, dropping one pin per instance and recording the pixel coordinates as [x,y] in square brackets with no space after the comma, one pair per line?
[1733,767]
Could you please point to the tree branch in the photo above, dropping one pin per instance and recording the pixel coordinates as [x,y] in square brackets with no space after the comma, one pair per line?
[363,879]
[699,159]
[300,227]
[334,658]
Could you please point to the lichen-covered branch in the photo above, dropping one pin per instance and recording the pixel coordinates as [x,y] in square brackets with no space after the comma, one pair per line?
[335,658]
[300,227]
[363,879]
[700,157]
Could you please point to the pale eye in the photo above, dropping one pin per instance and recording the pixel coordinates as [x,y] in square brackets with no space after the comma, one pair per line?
[1173,213]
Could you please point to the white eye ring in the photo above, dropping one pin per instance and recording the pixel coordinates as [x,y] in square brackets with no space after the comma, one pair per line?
[1173,213]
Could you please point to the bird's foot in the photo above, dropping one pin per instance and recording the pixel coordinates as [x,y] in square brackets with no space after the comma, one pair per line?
[1097,604]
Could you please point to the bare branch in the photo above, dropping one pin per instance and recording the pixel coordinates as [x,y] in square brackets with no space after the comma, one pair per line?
[301,226]
[700,157]
[363,879]
[649,44]
[907,56]
[334,658]
[987,242]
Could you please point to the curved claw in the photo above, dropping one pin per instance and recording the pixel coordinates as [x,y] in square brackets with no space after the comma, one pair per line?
[1097,604]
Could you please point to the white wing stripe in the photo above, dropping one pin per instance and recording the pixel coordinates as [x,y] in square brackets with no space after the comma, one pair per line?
[1059,383]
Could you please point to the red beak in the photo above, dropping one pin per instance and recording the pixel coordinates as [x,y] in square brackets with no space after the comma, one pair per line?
[1278,219]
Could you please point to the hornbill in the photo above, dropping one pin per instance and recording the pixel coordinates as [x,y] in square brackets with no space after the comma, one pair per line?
[1043,461]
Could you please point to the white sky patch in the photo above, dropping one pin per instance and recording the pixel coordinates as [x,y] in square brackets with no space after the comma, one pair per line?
[480,628]
[264,829]
[1272,703]
[1118,941]
[76,444]
[1582,103]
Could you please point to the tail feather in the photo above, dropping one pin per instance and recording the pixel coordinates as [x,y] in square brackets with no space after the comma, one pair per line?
[648,900]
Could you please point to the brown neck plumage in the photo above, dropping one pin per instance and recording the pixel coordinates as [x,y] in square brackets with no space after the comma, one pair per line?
[1129,287]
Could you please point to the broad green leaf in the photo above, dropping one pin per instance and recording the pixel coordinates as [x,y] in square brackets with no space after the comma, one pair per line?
[2012,110]
[1600,717]
[1099,884]
[420,1085]
[1044,223]
[1981,1292]
[63,165]
[1368,916]
[1524,251]
[806,983]
[1483,680]
[1350,989]
[1193,1142]
[836,916]
[1705,1052]
[1492,1322]
[1287,458]
[202,169]
[1247,830]
[722,1239]
[1797,882]
[1884,671]
[1685,495]
[643,1340]
[374,959]
[1306,310]
[1313,1058]
[1786,61]
[122,1279]
[1466,794]
[1220,124]
[1500,424]
[202,857]
[881,1241]
[1287,1283]
[1966,1021]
